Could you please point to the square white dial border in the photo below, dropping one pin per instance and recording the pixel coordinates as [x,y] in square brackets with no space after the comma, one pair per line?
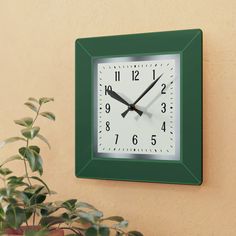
[176,58]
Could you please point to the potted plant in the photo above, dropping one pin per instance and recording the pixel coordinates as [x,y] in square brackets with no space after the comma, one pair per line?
[24,205]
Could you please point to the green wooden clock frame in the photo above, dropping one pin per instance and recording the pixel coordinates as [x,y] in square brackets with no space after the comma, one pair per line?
[187,170]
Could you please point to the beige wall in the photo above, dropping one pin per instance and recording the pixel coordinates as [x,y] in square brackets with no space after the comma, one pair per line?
[37,59]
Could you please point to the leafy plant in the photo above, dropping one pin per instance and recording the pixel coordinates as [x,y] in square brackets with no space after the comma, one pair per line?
[23,199]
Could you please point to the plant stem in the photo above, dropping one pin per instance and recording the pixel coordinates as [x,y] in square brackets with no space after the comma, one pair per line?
[37,114]
[26,220]
[27,145]
[34,218]
[26,170]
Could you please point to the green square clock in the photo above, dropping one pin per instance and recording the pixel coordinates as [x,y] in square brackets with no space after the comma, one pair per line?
[139,107]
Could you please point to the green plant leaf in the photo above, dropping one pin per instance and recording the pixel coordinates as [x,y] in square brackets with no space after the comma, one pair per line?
[69,204]
[10,140]
[34,159]
[91,231]
[48,115]
[35,148]
[114,218]
[86,217]
[84,205]
[26,122]
[24,197]
[95,231]
[14,181]
[3,192]
[30,133]
[51,220]
[45,100]
[15,216]
[134,233]
[31,106]
[5,171]
[65,216]
[48,208]
[96,214]
[43,139]
[33,99]
[12,158]
[41,181]
[1,212]
[37,199]
[32,190]
[122,224]
[11,199]
[104,231]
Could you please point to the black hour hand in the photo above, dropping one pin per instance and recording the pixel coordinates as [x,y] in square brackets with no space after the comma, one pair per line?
[122,100]
[117,97]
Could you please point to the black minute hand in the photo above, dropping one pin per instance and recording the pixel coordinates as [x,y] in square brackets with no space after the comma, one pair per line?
[132,106]
[147,90]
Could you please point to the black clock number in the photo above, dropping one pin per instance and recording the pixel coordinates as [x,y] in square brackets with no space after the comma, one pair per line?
[153,74]
[163,105]
[117,136]
[153,139]
[135,139]
[163,89]
[135,74]
[107,108]
[108,126]
[163,127]
[117,75]
[107,88]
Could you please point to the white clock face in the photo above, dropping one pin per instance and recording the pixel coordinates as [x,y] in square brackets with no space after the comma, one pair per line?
[136,107]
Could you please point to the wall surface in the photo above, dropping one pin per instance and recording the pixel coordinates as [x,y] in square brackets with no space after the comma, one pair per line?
[37,59]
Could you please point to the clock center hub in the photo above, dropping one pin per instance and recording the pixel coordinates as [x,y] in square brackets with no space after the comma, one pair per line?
[131,107]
